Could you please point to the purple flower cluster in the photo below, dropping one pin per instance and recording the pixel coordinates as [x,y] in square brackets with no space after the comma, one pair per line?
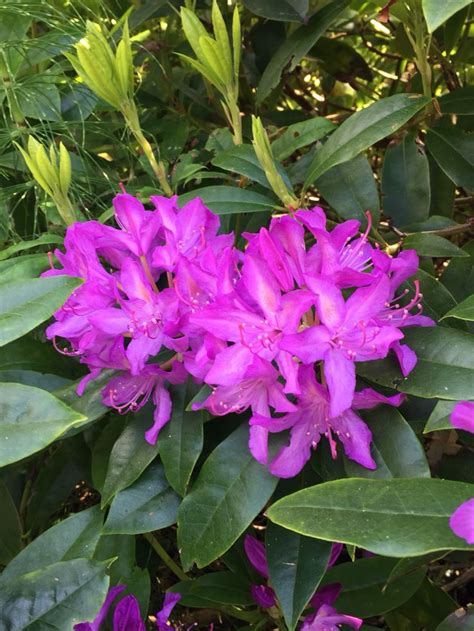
[276,329]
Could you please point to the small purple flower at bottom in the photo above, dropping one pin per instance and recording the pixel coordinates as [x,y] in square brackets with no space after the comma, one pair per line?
[326,617]
[127,615]
[461,521]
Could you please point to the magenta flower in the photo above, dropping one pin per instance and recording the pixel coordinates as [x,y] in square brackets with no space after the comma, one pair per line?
[461,521]
[326,617]
[126,617]
[462,416]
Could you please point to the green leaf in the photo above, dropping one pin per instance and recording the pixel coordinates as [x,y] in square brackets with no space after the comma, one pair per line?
[445,367]
[428,606]
[283,10]
[406,183]
[26,303]
[29,354]
[296,46]
[216,588]
[29,266]
[363,129]
[130,455]
[458,277]
[440,417]
[54,597]
[228,200]
[366,591]
[442,191]
[39,97]
[73,538]
[10,530]
[44,239]
[395,448]
[296,565]
[31,419]
[300,135]
[460,101]
[436,298]
[350,188]
[460,620]
[148,504]
[394,518]
[90,403]
[432,245]
[180,442]
[453,150]
[438,11]
[241,159]
[463,311]
[231,488]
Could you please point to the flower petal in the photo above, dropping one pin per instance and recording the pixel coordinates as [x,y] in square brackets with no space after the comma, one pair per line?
[461,521]
[255,551]
[462,416]
[340,376]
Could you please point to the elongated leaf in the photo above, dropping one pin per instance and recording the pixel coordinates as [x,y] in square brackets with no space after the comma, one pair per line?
[29,266]
[460,101]
[300,135]
[284,10]
[363,129]
[130,455]
[296,565]
[350,188]
[445,367]
[241,159]
[440,417]
[10,531]
[73,538]
[437,12]
[26,303]
[366,591]
[394,518]
[463,311]
[232,487]
[297,45]
[148,504]
[406,183]
[453,150]
[216,588]
[31,419]
[228,200]
[180,442]
[433,245]
[395,448]
[44,239]
[437,300]
[54,597]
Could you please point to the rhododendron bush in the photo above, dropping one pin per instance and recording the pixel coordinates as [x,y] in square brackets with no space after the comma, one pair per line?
[236,306]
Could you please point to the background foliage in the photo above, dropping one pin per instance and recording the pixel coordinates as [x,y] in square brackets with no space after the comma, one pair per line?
[367,107]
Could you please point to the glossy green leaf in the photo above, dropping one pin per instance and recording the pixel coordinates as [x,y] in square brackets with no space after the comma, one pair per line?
[130,455]
[460,620]
[296,565]
[231,488]
[350,188]
[73,538]
[462,311]
[453,150]
[460,101]
[29,354]
[10,530]
[366,591]
[44,239]
[396,450]
[90,403]
[445,367]
[241,159]
[54,597]
[26,303]
[442,191]
[284,10]
[440,417]
[362,130]
[301,135]
[436,298]
[215,588]
[228,200]
[395,518]
[296,46]
[31,419]
[458,277]
[406,183]
[29,266]
[438,11]
[148,504]
[432,245]
[180,442]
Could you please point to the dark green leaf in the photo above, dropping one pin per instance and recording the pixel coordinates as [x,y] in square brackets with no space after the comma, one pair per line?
[340,60]
[180,442]
[148,504]
[297,45]
[440,417]
[399,517]
[458,277]
[428,606]
[436,298]
[10,530]
[443,191]
[26,303]
[284,10]
[216,588]
[54,597]
[406,183]
[432,245]
[445,367]
[462,311]
[300,135]
[72,538]
[460,620]
[460,101]
[350,188]
[365,590]
[31,419]
[228,200]
[44,239]
[29,354]
[296,565]
[241,159]
[437,11]
[453,150]
[232,487]
[363,129]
